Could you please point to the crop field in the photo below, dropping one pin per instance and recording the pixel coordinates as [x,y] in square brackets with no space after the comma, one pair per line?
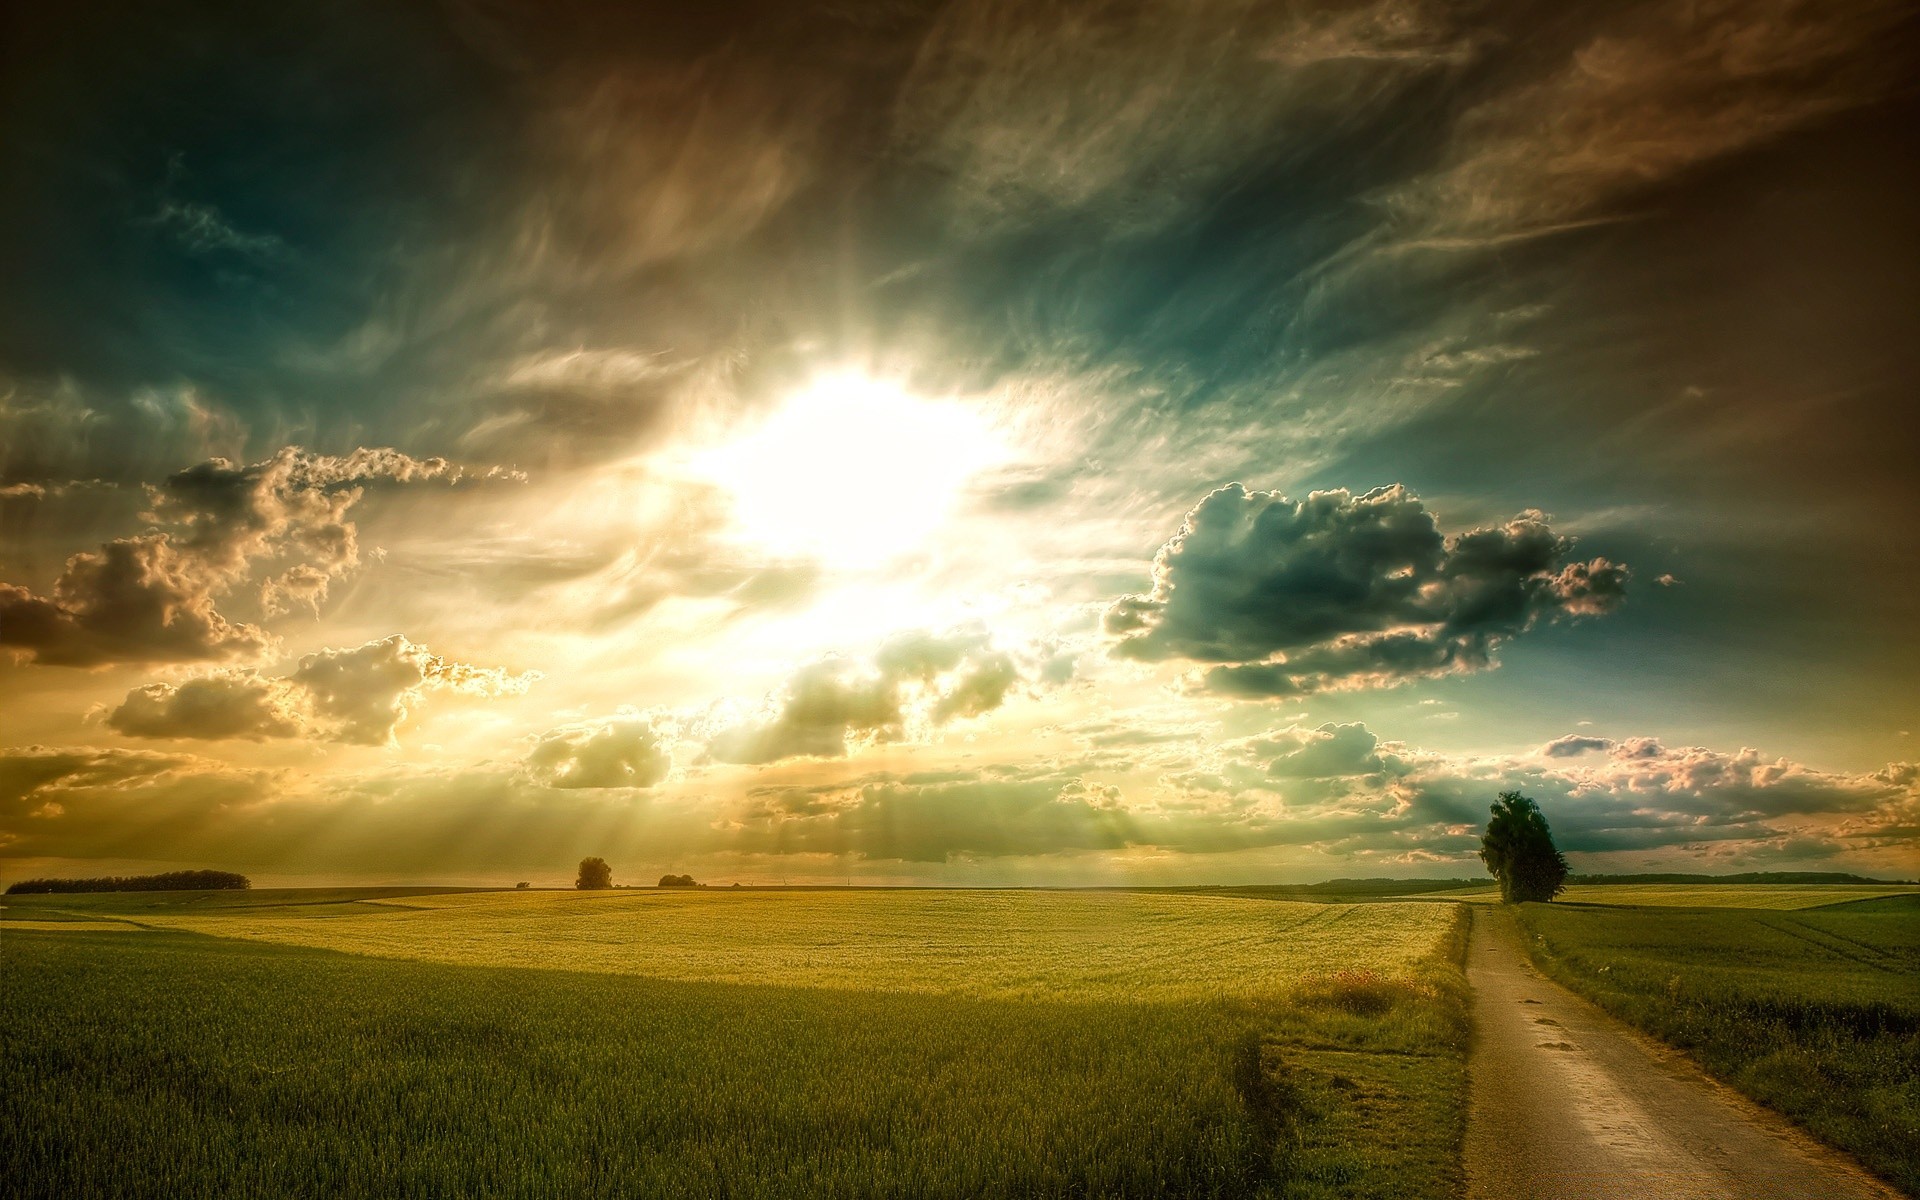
[1780,897]
[1041,945]
[746,1044]
[1814,1012]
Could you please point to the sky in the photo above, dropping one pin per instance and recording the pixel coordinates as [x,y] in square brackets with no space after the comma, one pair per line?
[969,443]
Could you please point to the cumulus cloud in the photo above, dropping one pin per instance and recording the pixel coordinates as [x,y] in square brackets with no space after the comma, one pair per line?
[624,752]
[1343,591]
[225,704]
[1341,788]
[360,695]
[829,707]
[154,597]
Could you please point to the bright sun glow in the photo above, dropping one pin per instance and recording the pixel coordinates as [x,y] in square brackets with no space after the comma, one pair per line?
[852,471]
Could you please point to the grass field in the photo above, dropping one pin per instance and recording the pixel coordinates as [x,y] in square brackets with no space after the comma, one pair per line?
[1042,945]
[1815,1012]
[765,1044]
[1777,896]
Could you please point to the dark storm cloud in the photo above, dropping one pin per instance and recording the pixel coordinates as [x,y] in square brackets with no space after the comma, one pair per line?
[360,695]
[1340,591]
[152,598]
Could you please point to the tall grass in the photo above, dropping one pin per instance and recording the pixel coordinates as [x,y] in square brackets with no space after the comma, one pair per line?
[161,1063]
[1815,1013]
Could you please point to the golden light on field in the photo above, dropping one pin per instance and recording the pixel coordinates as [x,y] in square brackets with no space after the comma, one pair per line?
[851,470]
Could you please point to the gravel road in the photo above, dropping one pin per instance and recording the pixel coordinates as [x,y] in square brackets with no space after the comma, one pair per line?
[1567,1103]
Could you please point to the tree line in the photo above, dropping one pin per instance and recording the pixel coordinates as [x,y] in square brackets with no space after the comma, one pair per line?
[170,881]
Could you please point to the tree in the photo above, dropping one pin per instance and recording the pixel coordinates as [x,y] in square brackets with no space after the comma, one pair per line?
[677,881]
[595,875]
[1518,849]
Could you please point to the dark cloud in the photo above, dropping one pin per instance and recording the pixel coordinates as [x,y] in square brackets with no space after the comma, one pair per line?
[359,695]
[1574,745]
[1342,591]
[152,598]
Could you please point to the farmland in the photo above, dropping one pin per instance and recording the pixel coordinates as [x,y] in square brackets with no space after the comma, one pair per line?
[1002,945]
[1780,897]
[1814,1012]
[778,1044]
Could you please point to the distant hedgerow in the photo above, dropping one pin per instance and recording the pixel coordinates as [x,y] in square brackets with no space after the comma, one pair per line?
[171,881]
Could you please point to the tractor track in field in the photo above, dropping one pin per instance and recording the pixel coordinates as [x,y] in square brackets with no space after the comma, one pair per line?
[1567,1103]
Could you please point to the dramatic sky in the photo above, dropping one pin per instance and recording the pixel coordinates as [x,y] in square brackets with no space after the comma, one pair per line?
[979,442]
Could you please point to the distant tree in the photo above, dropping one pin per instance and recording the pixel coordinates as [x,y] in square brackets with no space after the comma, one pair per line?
[172,881]
[522,886]
[595,875]
[677,881]
[1518,849]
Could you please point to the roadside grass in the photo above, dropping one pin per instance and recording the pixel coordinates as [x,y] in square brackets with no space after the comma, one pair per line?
[163,1063]
[1778,896]
[1815,1013]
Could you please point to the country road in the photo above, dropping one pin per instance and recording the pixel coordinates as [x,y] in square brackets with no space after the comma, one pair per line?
[1567,1103]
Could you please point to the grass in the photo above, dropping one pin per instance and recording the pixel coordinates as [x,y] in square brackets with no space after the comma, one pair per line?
[1813,1012]
[1777,896]
[1037,1044]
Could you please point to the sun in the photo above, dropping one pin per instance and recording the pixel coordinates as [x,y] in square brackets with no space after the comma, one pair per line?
[851,471]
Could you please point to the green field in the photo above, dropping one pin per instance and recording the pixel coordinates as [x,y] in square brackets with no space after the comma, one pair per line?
[1783,897]
[1814,1012]
[1004,945]
[759,1044]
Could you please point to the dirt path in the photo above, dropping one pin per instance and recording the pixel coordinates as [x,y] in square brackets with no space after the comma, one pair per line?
[1566,1103]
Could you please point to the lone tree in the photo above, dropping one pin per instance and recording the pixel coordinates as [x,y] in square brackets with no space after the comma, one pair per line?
[1518,849]
[595,875]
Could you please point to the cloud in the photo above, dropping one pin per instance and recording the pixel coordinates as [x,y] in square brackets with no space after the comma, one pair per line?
[152,597]
[1135,112]
[623,752]
[1342,591]
[1658,90]
[1335,798]
[360,695]
[1340,788]
[1573,745]
[134,600]
[990,813]
[202,228]
[225,704]
[1329,751]
[825,708]
[829,707]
